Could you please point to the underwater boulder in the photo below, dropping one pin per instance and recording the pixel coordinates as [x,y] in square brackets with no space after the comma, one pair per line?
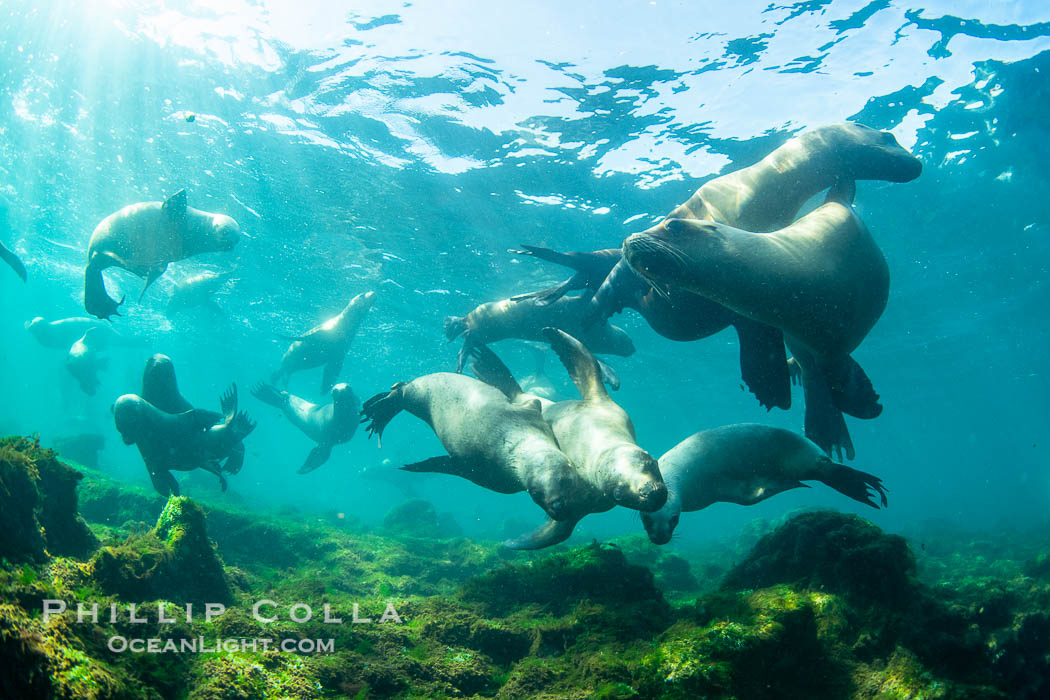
[830,551]
[419,518]
[174,561]
[38,505]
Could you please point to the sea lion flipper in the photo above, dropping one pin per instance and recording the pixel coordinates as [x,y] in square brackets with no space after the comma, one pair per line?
[330,375]
[97,301]
[582,367]
[379,410]
[11,259]
[487,367]
[269,394]
[824,423]
[235,461]
[794,371]
[228,403]
[763,362]
[546,297]
[318,456]
[853,393]
[609,376]
[174,207]
[151,277]
[439,465]
[549,534]
[858,485]
[163,482]
[844,191]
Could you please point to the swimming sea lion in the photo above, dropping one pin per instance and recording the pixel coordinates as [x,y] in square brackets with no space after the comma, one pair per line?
[82,448]
[526,319]
[822,280]
[328,425]
[745,464]
[501,446]
[538,383]
[9,257]
[326,344]
[196,290]
[84,360]
[595,433]
[181,441]
[144,238]
[60,334]
[161,388]
[674,314]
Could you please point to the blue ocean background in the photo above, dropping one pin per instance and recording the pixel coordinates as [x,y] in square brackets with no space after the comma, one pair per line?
[404,147]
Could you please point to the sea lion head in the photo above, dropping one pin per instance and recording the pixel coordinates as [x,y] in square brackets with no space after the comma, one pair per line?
[637,480]
[159,376]
[661,524]
[675,251]
[554,484]
[224,232]
[34,325]
[871,154]
[343,397]
[128,414]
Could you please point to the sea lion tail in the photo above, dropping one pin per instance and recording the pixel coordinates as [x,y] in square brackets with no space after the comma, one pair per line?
[455,326]
[858,485]
[269,394]
[580,363]
[549,534]
[379,410]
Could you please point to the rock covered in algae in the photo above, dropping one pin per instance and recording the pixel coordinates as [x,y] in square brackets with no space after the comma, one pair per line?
[418,518]
[174,561]
[831,551]
[38,504]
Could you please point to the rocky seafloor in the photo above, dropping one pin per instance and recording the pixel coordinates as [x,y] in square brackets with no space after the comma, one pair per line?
[824,605]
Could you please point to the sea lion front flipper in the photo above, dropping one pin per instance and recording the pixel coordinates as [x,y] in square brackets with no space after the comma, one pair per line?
[546,297]
[163,482]
[379,410]
[763,362]
[331,374]
[824,423]
[269,394]
[487,367]
[11,259]
[174,207]
[318,456]
[97,301]
[853,393]
[858,485]
[582,367]
[609,376]
[151,277]
[549,534]
[440,465]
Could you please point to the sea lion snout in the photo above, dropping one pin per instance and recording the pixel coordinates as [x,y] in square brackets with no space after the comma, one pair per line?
[648,496]
[227,232]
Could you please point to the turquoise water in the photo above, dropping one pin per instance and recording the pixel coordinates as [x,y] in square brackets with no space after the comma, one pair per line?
[402,148]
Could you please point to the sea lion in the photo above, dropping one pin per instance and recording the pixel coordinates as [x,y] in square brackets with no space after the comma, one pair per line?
[144,238]
[84,360]
[595,433]
[196,290]
[326,344]
[526,319]
[328,425]
[745,464]
[822,280]
[60,334]
[676,315]
[538,383]
[181,441]
[501,446]
[11,258]
[161,388]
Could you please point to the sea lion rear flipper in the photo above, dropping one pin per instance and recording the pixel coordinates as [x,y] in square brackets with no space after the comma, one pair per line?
[11,259]
[439,465]
[241,426]
[549,534]
[151,277]
[853,393]
[487,367]
[269,394]
[174,207]
[379,410]
[580,363]
[97,301]
[824,423]
[609,376]
[236,459]
[763,362]
[318,456]
[228,403]
[843,192]
[546,297]
[164,482]
[331,374]
[858,485]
